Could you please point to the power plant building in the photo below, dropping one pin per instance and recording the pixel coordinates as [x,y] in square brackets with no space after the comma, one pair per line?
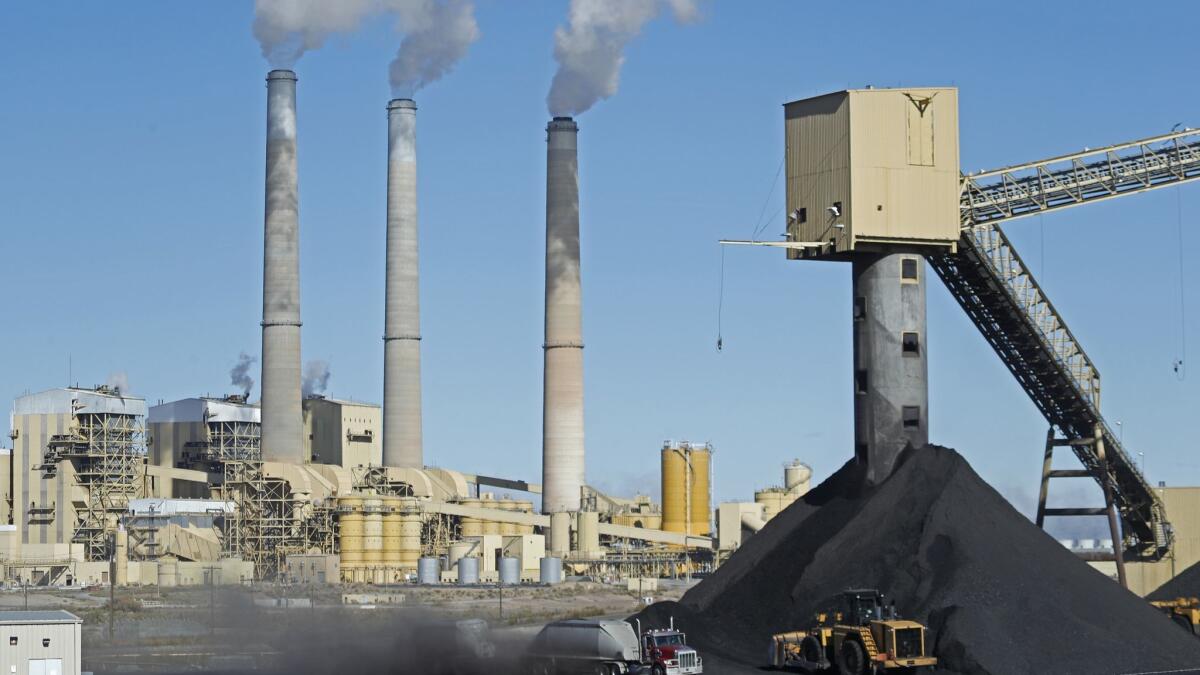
[344,433]
[201,433]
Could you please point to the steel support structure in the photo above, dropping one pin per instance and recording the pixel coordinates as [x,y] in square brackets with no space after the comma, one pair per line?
[107,452]
[997,290]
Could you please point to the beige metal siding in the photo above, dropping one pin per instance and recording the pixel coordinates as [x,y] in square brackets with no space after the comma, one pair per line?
[904,157]
[64,644]
[817,132]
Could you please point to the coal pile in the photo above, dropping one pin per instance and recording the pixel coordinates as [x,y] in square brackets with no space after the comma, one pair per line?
[1185,585]
[998,594]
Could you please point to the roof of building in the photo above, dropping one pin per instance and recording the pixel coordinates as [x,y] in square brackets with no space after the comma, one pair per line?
[15,617]
[339,401]
[204,410]
[73,399]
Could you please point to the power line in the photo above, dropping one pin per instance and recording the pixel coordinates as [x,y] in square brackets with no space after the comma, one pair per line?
[760,224]
[1179,366]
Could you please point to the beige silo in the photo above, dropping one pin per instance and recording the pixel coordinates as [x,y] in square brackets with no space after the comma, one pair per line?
[410,534]
[350,536]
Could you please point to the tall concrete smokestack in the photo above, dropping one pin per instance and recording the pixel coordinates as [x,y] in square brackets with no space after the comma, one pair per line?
[281,415]
[402,325]
[562,387]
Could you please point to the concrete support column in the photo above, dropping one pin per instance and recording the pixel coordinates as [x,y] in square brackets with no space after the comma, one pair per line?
[562,403]
[282,433]
[402,325]
[891,381]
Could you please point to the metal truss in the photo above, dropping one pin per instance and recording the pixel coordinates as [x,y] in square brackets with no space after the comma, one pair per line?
[225,442]
[996,289]
[107,452]
[1080,178]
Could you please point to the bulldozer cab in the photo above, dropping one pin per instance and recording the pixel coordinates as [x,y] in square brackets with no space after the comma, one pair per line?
[862,606]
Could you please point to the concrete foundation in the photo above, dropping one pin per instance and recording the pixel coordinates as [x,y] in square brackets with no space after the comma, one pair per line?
[891,382]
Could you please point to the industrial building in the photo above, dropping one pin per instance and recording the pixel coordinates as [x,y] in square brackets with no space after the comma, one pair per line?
[223,490]
[41,642]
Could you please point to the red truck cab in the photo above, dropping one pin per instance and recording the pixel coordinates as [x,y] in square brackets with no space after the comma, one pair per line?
[666,652]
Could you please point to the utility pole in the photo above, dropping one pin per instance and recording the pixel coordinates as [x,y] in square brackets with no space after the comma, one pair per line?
[112,584]
[212,600]
[501,587]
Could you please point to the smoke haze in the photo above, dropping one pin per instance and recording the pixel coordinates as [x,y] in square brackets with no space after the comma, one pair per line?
[239,375]
[590,49]
[316,377]
[437,33]
[118,380]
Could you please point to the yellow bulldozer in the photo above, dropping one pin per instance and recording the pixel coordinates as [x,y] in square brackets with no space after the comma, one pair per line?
[1185,612]
[862,636]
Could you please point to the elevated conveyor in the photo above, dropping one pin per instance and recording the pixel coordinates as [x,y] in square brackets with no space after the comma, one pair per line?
[996,289]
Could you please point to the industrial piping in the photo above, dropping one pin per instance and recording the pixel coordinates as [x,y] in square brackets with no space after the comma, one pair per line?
[562,386]
[402,326]
[282,434]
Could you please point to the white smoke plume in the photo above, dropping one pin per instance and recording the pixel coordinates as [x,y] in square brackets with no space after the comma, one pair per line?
[118,381]
[590,49]
[286,29]
[316,378]
[437,33]
[239,375]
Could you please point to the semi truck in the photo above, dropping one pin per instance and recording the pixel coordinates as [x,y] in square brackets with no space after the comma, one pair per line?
[600,647]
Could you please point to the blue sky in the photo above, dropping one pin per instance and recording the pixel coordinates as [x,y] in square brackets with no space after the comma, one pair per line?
[131,170]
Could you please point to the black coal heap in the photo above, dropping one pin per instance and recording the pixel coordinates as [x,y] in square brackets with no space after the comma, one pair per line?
[998,594]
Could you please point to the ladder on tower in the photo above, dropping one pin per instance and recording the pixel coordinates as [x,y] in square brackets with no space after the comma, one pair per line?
[999,293]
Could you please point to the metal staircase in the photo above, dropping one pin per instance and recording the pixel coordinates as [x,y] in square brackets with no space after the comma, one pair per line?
[993,285]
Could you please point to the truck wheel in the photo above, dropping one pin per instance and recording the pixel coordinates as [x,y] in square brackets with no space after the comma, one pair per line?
[852,658]
[812,651]
[659,670]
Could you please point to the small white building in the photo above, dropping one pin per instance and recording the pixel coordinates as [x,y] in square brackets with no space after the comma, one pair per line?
[40,642]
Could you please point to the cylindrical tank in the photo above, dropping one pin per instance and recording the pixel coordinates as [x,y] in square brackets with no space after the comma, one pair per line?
[372,532]
[773,501]
[460,550]
[560,533]
[121,559]
[524,506]
[471,527]
[686,491]
[429,571]
[390,550]
[1067,543]
[550,570]
[587,538]
[701,490]
[796,478]
[168,572]
[468,570]
[410,536]
[510,571]
[508,529]
[350,535]
[1087,544]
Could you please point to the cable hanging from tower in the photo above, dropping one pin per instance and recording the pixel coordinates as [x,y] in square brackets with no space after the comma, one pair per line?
[1179,366]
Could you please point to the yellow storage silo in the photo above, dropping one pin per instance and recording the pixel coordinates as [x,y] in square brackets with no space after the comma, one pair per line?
[373,532]
[587,538]
[507,529]
[350,536]
[390,551]
[471,527]
[410,534]
[686,488]
[524,506]
[701,487]
[490,526]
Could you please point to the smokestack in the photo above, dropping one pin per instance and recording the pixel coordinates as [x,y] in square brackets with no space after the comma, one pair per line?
[282,436]
[562,402]
[402,325]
